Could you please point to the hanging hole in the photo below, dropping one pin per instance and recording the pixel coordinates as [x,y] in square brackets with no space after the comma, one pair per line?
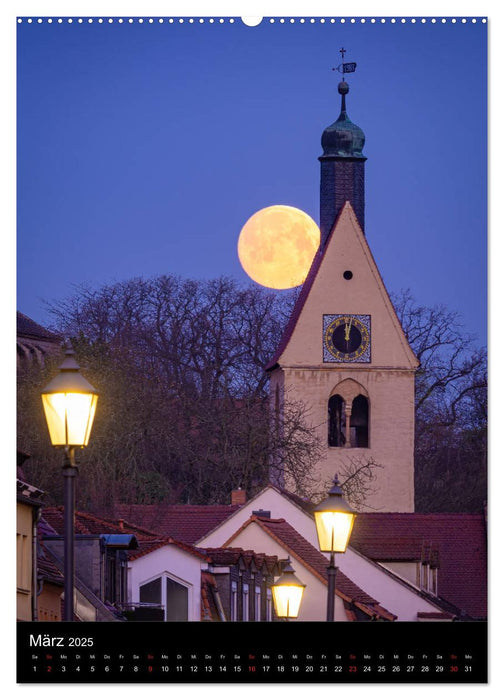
[251,21]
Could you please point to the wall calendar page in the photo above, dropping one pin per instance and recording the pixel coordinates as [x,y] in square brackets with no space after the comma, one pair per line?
[251,349]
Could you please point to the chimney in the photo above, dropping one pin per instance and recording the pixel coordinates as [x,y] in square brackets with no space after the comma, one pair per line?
[121,524]
[238,497]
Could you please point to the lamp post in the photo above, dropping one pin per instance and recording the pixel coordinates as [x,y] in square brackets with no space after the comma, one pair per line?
[334,520]
[69,402]
[287,593]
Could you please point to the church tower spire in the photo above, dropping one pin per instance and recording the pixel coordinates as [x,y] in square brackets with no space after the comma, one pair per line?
[343,354]
[341,166]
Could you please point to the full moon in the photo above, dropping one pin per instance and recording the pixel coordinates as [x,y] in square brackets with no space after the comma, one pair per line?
[276,246]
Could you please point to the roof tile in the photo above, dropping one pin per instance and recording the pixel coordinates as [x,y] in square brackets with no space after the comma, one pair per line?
[458,540]
[186,523]
[317,562]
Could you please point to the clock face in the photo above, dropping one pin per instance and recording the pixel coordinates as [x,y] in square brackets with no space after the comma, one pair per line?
[347,338]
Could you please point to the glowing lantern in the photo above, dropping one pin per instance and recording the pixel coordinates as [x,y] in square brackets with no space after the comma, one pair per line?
[287,593]
[69,402]
[334,520]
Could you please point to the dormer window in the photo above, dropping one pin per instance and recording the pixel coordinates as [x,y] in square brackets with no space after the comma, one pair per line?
[245,601]
[171,594]
[257,603]
[234,601]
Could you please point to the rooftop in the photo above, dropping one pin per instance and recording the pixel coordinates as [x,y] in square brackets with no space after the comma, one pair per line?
[301,549]
[459,538]
[185,523]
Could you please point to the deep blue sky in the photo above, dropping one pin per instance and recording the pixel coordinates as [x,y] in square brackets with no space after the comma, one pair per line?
[144,148]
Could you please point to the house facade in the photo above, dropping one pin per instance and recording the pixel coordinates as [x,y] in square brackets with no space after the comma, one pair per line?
[403,598]
[29,503]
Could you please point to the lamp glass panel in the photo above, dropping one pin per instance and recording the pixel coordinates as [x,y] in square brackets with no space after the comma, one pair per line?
[287,600]
[69,417]
[333,530]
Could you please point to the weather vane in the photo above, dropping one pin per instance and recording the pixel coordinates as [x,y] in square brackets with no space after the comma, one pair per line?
[345,67]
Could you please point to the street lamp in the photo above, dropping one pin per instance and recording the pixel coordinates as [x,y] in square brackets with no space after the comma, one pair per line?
[334,520]
[69,403]
[287,593]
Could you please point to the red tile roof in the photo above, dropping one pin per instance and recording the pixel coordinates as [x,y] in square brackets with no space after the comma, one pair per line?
[86,524]
[185,523]
[227,556]
[209,611]
[301,549]
[224,556]
[459,538]
[46,567]
[147,547]
[435,616]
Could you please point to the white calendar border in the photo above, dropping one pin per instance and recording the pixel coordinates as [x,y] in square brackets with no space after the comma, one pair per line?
[156,8]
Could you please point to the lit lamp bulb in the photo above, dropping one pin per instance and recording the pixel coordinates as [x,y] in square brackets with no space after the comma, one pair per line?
[334,520]
[69,402]
[287,593]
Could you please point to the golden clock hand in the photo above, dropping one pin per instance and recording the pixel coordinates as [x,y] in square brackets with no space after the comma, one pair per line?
[347,330]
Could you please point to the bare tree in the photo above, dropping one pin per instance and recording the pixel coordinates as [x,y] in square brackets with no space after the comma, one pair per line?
[183,412]
[451,413]
[357,479]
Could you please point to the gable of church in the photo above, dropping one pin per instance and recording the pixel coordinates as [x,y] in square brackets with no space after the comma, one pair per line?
[344,280]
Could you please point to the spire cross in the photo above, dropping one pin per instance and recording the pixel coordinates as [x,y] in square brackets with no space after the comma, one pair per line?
[345,67]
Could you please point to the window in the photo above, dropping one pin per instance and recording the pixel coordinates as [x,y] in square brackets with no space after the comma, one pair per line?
[245,602]
[176,601]
[172,595]
[151,592]
[345,428]
[234,601]
[424,576]
[359,422]
[337,428]
[269,606]
[257,603]
[433,572]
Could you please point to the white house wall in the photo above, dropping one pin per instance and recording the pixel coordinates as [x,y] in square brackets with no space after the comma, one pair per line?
[395,596]
[314,603]
[269,500]
[175,563]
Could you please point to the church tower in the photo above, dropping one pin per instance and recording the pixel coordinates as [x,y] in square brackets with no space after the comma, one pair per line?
[343,352]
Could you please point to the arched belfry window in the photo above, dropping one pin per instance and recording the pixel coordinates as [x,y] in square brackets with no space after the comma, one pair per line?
[348,416]
[337,423]
[359,422]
